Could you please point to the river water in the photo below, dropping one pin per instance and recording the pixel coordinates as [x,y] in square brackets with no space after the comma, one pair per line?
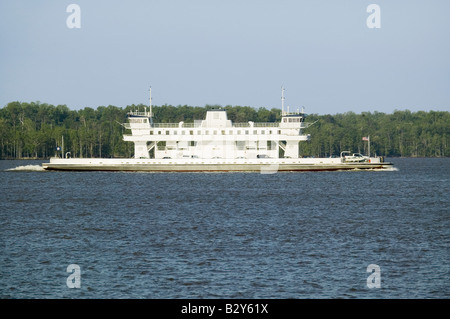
[226,235]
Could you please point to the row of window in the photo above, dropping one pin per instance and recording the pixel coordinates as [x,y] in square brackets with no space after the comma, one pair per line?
[215,132]
[240,145]
[137,120]
[293,120]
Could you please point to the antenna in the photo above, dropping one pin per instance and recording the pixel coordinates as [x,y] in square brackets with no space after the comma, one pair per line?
[150,114]
[282,101]
[150,102]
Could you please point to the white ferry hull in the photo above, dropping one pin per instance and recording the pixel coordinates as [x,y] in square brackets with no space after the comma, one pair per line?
[215,165]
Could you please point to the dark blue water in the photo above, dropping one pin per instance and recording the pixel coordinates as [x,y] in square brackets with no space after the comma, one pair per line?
[230,235]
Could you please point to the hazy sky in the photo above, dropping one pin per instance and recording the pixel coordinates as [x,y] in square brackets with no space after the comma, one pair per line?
[230,52]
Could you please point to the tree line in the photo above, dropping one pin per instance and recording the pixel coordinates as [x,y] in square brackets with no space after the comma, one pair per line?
[36,130]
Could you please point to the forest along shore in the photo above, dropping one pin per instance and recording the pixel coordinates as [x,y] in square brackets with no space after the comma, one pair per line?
[37,130]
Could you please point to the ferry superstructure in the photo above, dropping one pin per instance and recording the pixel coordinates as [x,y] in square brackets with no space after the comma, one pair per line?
[216,144]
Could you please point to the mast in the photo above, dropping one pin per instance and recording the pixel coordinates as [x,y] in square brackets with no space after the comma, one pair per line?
[150,102]
[150,115]
[282,101]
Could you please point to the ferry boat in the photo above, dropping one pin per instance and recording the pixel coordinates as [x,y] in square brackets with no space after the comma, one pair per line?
[215,144]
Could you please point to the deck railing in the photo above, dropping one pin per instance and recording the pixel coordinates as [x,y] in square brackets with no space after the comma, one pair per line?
[195,125]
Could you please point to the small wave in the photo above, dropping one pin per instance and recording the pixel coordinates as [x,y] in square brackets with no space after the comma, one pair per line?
[28,168]
[384,169]
[389,169]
